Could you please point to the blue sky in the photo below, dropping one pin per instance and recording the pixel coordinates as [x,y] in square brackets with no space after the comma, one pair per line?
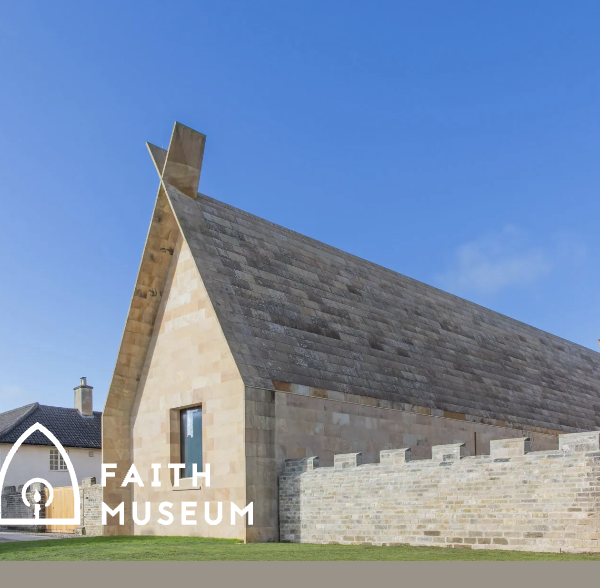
[454,142]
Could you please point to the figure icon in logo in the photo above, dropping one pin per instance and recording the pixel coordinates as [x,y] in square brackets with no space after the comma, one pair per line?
[37,496]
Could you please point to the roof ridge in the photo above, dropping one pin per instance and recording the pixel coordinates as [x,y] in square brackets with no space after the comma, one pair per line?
[18,408]
[32,408]
[66,408]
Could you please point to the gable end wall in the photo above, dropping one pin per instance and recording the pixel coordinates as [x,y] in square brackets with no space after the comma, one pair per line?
[189,364]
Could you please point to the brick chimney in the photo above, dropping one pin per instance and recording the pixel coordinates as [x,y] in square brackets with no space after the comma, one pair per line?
[83,398]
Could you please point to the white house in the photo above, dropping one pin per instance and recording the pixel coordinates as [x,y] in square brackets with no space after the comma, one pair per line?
[78,429]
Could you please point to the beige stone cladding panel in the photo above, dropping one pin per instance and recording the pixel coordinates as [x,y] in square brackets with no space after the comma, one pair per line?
[511,499]
[307,426]
[189,363]
[145,303]
[261,467]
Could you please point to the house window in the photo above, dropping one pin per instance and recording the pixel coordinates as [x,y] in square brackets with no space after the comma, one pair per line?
[57,463]
[191,439]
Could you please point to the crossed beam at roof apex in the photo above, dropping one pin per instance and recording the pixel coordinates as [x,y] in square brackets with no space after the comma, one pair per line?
[181,164]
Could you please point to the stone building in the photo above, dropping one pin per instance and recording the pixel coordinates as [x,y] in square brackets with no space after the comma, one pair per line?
[247,344]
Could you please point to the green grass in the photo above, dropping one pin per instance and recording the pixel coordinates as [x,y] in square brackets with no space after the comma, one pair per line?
[199,549]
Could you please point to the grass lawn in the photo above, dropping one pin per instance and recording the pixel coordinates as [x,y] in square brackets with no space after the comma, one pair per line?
[198,549]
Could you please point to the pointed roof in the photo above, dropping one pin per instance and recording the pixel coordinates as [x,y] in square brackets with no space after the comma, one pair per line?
[66,424]
[294,309]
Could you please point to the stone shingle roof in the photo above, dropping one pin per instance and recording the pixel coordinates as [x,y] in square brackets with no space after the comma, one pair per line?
[67,424]
[296,310]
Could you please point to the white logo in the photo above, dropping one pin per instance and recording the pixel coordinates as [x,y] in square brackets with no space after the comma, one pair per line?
[37,497]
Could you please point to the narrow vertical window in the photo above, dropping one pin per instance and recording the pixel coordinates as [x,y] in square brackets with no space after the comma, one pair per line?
[191,440]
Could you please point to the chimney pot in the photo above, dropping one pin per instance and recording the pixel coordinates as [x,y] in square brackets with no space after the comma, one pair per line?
[83,398]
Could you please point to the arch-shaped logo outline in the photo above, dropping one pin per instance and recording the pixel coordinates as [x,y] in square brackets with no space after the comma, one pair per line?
[76,520]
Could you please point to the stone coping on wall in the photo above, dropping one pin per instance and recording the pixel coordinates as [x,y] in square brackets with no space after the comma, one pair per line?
[13,506]
[513,498]
[501,450]
[291,388]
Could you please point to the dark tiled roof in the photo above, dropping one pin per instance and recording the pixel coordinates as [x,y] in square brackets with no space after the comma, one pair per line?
[67,424]
[10,418]
[296,310]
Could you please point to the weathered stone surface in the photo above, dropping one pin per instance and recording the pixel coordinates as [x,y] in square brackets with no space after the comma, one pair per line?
[394,456]
[190,365]
[536,501]
[90,500]
[451,452]
[510,447]
[580,442]
[296,349]
[312,425]
[299,312]
[13,506]
[347,460]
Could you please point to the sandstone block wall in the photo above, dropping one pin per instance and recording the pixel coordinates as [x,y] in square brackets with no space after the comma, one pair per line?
[299,421]
[189,364]
[511,499]
[261,465]
[335,423]
[90,495]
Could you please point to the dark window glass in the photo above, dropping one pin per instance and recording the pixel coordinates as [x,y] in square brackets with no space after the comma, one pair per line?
[191,440]
[57,463]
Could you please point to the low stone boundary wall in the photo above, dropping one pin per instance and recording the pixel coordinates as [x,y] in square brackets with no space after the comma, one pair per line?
[13,506]
[90,495]
[511,499]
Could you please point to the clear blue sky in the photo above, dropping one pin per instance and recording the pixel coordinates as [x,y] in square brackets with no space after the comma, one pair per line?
[454,142]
